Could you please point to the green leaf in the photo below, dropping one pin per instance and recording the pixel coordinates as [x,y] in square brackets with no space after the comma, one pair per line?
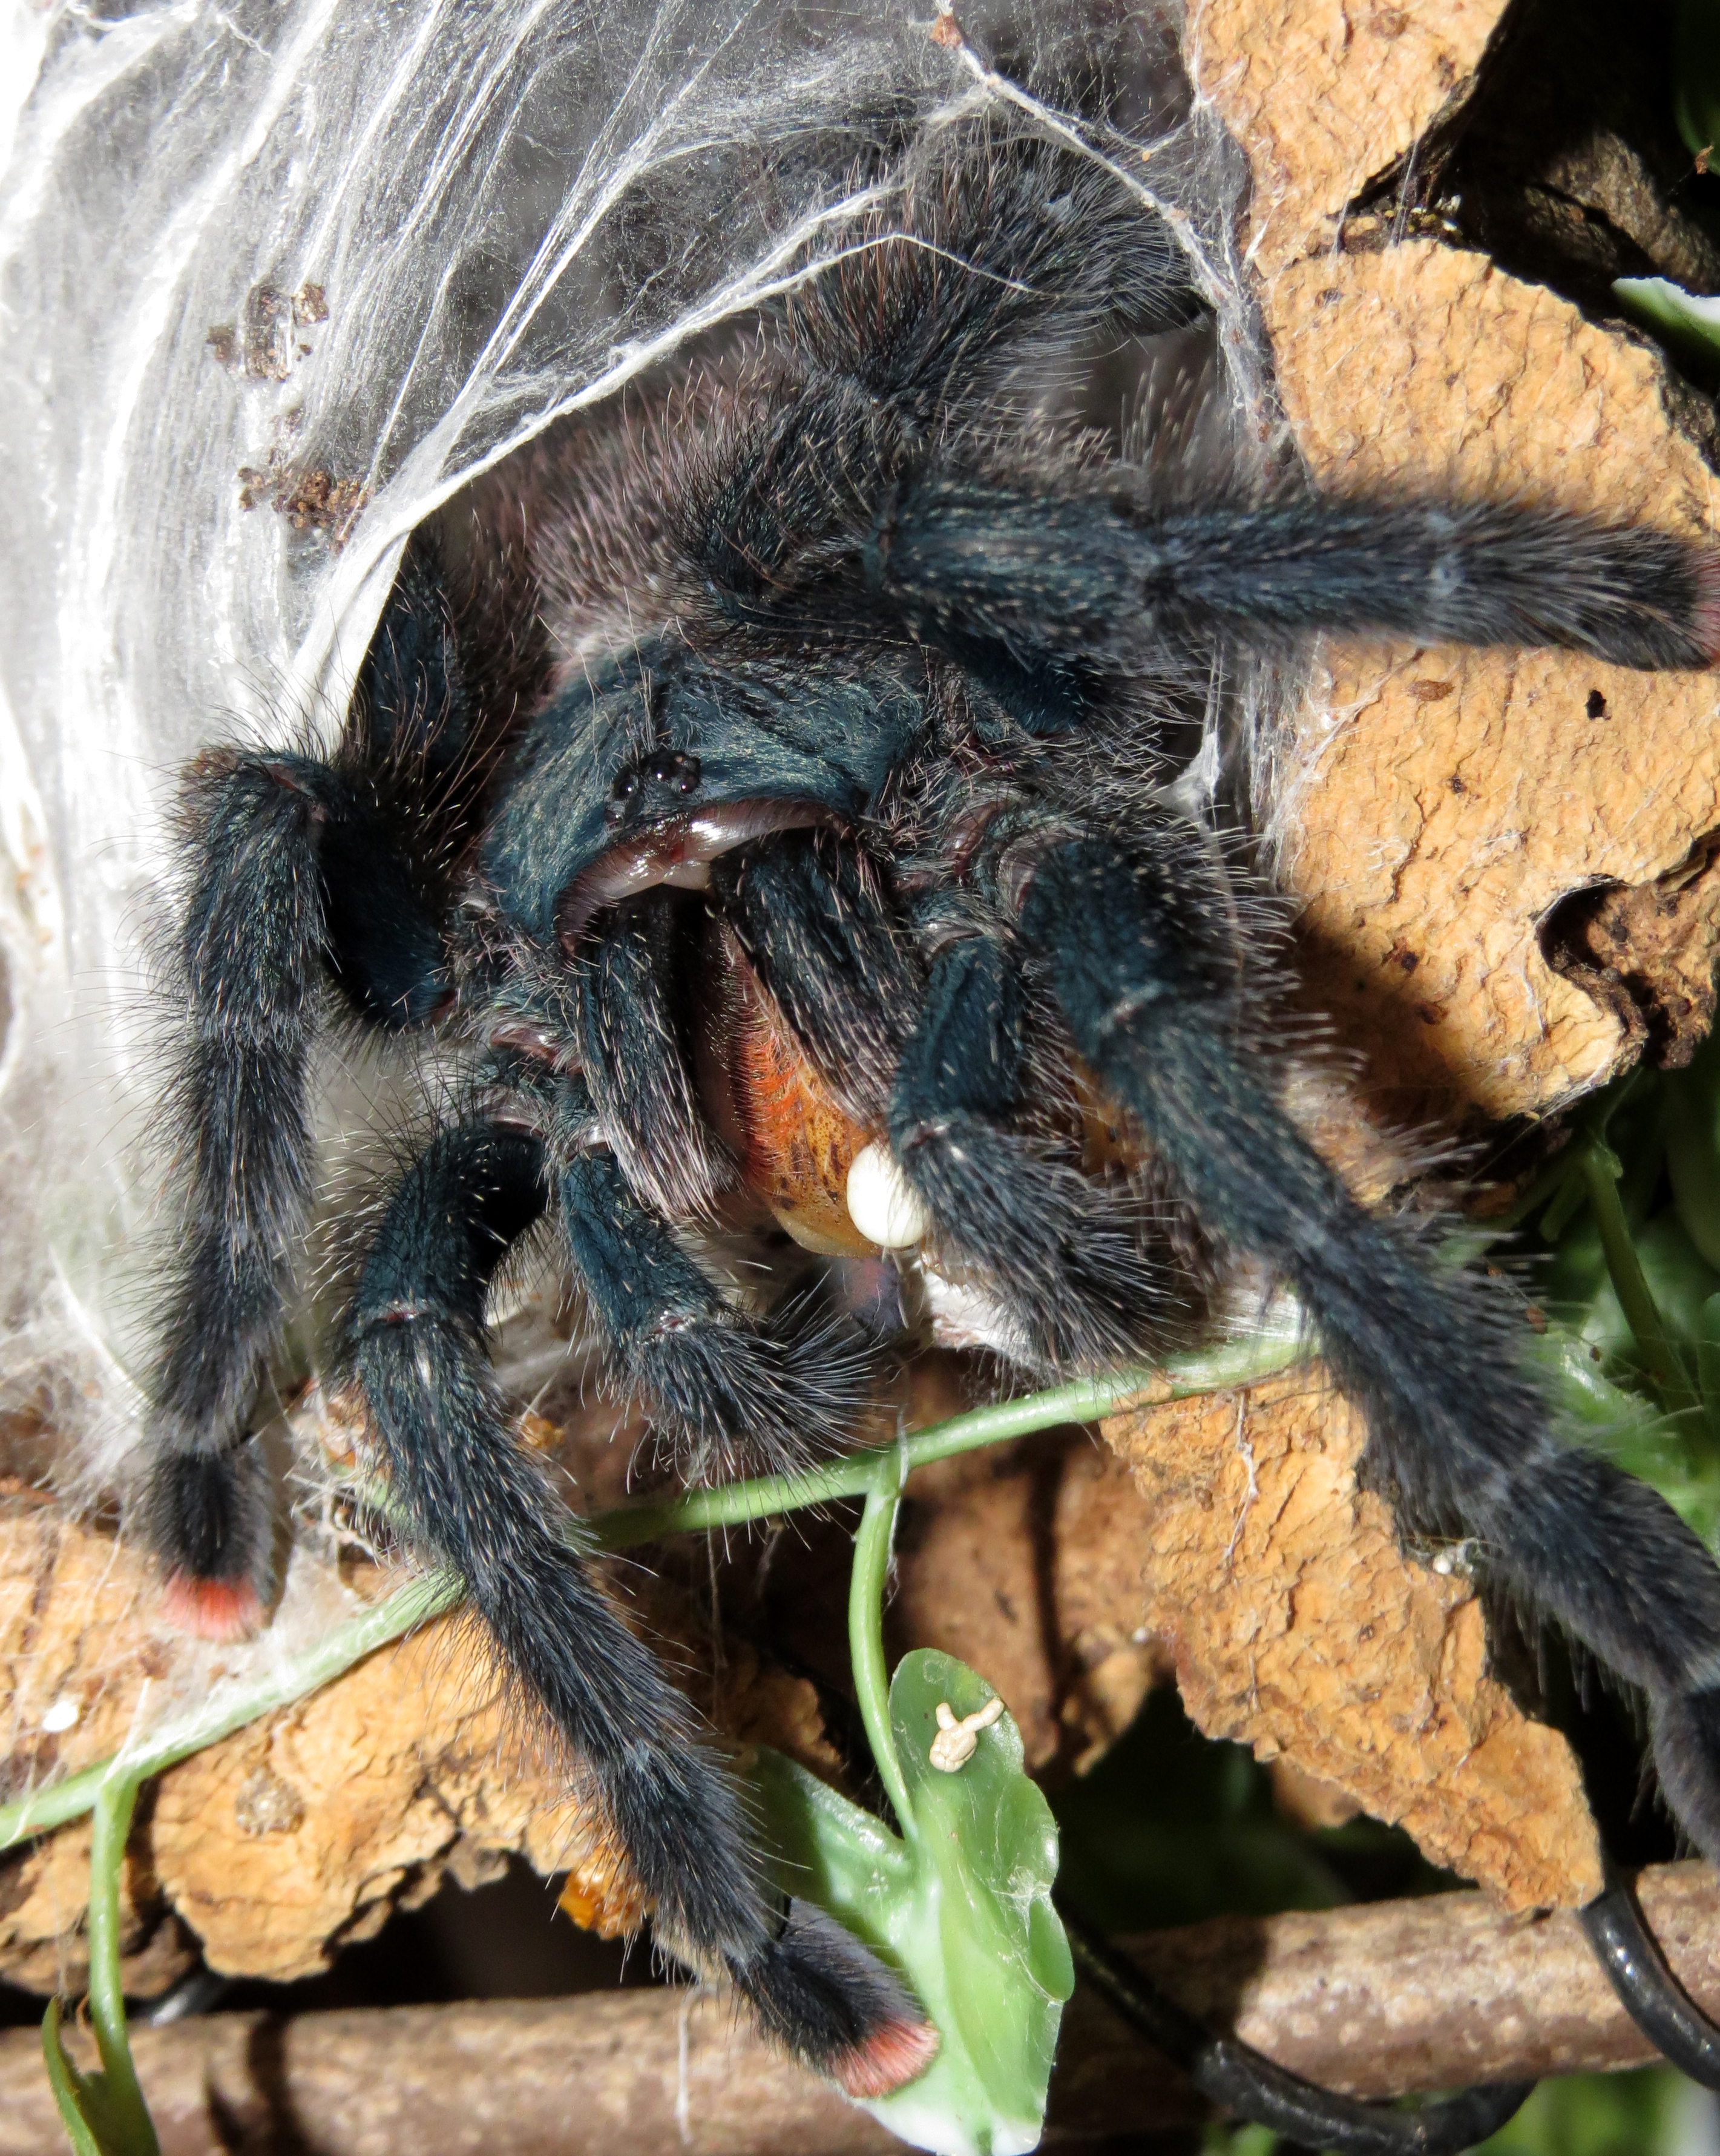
[961,1909]
[80,2099]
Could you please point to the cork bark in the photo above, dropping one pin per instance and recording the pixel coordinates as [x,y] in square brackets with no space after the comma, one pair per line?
[1439,806]
[1226,1536]
[301,1833]
[1325,96]
[1446,802]
[1298,1624]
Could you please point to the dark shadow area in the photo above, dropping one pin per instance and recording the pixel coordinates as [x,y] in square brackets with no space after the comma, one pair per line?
[506,1940]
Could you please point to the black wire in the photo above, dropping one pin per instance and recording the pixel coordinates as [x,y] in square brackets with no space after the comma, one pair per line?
[1245,2082]
[1652,1996]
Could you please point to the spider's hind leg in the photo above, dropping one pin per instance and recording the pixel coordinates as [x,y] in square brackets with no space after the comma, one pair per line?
[1460,1428]
[415,1348]
[296,864]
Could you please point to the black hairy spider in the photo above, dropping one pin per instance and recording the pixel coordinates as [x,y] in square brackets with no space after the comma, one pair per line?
[856,744]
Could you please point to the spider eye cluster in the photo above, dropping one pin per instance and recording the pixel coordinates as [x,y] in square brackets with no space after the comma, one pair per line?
[667,776]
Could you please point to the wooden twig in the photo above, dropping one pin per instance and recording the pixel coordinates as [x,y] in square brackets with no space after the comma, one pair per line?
[1400,1996]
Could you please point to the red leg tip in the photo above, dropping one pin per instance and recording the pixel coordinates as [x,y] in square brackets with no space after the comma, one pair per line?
[227,1610]
[890,2056]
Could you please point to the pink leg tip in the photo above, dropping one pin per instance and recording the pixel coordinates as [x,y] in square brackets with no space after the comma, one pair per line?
[890,2057]
[227,1610]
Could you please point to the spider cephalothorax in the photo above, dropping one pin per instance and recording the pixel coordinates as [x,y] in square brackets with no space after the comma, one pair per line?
[828,876]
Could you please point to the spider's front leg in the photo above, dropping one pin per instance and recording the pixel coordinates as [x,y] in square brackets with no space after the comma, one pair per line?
[1062,1253]
[1047,597]
[252,939]
[809,916]
[939,1060]
[982,570]
[297,865]
[415,1349]
[734,1391]
[730,1391]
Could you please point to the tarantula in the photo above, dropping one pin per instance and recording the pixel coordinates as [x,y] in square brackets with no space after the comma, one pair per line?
[851,767]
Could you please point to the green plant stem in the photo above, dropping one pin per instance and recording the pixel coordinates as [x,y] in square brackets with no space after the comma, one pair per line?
[114,1808]
[231,1706]
[866,1638]
[1599,1171]
[1212,1370]
[1559,1187]
[1548,1187]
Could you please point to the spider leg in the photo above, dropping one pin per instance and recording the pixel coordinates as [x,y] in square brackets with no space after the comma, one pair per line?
[1056,1248]
[252,934]
[1459,1426]
[415,1347]
[943,1063]
[635,1062]
[841,972]
[1650,1993]
[984,264]
[737,1393]
[297,864]
[981,569]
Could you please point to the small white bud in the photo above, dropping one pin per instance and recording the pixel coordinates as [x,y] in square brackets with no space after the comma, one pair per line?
[957,1741]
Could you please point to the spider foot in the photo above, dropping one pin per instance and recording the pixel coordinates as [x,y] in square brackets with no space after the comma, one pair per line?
[1251,2087]
[737,1395]
[208,1515]
[819,1992]
[227,1611]
[1650,1994]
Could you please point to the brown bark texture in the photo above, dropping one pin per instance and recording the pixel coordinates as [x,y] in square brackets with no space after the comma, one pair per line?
[1381,2000]
[1297,1625]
